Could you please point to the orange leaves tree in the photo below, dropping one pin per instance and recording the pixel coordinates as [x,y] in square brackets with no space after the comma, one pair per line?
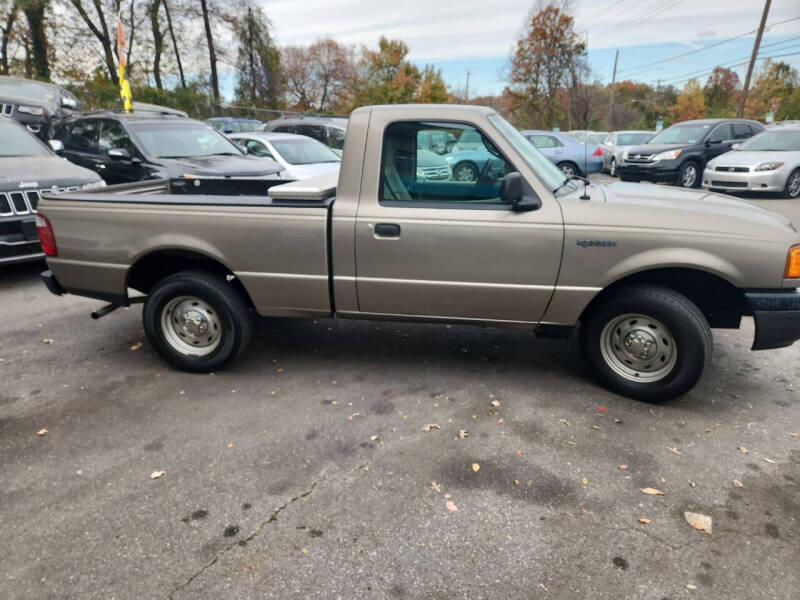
[690,104]
[546,64]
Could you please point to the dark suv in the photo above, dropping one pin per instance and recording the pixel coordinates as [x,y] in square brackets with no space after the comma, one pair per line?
[328,130]
[134,147]
[35,104]
[679,154]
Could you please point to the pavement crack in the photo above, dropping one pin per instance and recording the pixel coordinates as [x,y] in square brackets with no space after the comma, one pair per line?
[272,518]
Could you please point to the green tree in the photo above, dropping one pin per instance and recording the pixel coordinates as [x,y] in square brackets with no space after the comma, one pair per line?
[721,92]
[776,83]
[385,76]
[258,64]
[431,87]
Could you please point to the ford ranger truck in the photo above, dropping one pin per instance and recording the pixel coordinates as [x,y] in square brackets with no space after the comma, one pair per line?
[645,272]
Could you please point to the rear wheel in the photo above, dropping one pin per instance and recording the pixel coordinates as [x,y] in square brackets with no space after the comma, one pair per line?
[689,175]
[646,342]
[569,169]
[197,321]
[793,185]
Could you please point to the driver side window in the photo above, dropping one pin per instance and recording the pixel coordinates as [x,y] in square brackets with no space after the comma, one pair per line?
[256,148]
[113,137]
[412,173]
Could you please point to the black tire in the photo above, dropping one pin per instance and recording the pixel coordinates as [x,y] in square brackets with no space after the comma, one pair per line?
[689,175]
[792,189]
[567,166]
[612,167]
[229,316]
[679,321]
[466,167]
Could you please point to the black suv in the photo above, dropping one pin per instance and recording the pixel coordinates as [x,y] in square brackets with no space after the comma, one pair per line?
[134,147]
[35,104]
[679,154]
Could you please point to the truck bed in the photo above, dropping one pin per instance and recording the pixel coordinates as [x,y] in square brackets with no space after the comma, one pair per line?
[119,237]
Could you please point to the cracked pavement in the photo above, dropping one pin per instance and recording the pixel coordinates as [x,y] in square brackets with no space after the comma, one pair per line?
[304,470]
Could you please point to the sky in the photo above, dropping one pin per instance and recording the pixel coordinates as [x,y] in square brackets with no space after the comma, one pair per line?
[477,36]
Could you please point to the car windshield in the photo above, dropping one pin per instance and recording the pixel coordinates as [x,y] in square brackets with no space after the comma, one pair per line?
[304,151]
[550,174]
[15,141]
[28,89]
[773,140]
[681,134]
[597,138]
[181,140]
[633,139]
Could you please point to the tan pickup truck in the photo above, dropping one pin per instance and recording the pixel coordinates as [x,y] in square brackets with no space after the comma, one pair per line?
[646,271]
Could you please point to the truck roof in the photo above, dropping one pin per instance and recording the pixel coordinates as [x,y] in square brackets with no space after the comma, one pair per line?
[422,108]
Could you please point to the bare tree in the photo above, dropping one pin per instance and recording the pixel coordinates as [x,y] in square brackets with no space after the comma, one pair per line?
[158,40]
[174,43]
[212,55]
[318,77]
[100,31]
[35,16]
[9,20]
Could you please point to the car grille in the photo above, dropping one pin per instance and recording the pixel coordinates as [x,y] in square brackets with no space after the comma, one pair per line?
[436,172]
[639,158]
[6,109]
[729,184]
[24,203]
[733,169]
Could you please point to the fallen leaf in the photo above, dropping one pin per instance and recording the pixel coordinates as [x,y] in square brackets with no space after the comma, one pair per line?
[595,426]
[500,421]
[451,506]
[645,520]
[618,421]
[430,426]
[585,481]
[516,482]
[737,483]
[305,550]
[699,521]
[564,422]
[476,467]
[47,341]
[744,450]
[495,403]
[544,587]
[42,432]
[519,452]
[463,433]
[769,460]
[436,486]
[663,480]
[136,346]
[156,474]
[373,437]
[387,392]
[793,435]
[691,586]
[674,451]
[651,491]
[230,445]
[602,409]
[623,467]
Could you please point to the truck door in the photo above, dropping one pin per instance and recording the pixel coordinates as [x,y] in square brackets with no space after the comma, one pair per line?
[442,248]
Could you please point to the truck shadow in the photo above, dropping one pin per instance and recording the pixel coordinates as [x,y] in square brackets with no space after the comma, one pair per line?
[14,274]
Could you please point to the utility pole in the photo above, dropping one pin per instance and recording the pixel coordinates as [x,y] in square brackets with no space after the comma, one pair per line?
[757,43]
[610,123]
[466,91]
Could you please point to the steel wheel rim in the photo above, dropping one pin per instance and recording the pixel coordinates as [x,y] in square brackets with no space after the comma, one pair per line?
[689,176]
[191,326]
[465,173]
[567,170]
[638,348]
[794,184]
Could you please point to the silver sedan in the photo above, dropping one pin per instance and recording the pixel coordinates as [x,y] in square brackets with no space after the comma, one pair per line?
[616,143]
[767,162]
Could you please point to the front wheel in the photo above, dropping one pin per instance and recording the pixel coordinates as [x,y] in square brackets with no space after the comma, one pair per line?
[793,185]
[197,321]
[612,168]
[689,175]
[646,342]
[466,172]
[569,169]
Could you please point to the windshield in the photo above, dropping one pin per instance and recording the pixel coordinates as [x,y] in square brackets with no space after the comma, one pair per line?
[633,139]
[773,140]
[681,134]
[304,151]
[597,138]
[28,89]
[181,140]
[15,141]
[547,171]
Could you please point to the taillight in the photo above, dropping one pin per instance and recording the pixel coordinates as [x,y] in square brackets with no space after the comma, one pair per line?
[46,237]
[598,152]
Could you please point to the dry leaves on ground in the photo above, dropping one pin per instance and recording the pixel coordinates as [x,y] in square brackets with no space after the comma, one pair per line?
[476,467]
[437,487]
[699,521]
[450,505]
[651,491]
[744,450]
[136,346]
[157,474]
[463,433]
[645,520]
[42,432]
[495,403]
[430,427]
[737,483]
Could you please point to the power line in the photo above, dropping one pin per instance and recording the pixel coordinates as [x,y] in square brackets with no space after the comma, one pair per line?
[644,20]
[599,12]
[739,64]
[610,27]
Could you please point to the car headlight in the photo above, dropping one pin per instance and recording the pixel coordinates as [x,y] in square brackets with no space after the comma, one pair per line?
[668,155]
[93,185]
[420,174]
[624,155]
[448,158]
[769,166]
[36,111]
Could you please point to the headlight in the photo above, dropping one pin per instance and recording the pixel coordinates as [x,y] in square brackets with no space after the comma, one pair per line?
[624,155]
[448,158]
[37,111]
[668,155]
[93,185]
[769,166]
[420,174]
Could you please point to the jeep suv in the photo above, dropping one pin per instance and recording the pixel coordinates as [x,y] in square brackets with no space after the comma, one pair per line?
[679,154]
[35,104]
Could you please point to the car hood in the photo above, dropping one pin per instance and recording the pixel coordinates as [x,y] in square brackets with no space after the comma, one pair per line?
[743,158]
[655,207]
[219,166]
[41,172]
[49,107]
[297,172]
[654,148]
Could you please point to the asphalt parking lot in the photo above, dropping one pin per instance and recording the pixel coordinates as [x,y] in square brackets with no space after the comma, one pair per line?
[349,460]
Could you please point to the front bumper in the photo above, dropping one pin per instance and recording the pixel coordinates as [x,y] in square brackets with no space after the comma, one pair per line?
[777,318]
[761,181]
[18,240]
[660,171]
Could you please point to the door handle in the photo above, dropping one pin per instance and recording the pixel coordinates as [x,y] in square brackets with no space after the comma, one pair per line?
[387,230]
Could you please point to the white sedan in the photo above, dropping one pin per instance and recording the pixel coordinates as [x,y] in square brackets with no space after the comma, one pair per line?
[301,156]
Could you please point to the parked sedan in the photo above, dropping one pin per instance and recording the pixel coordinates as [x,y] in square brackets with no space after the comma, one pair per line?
[593,137]
[616,143]
[301,156]
[767,162]
[567,153]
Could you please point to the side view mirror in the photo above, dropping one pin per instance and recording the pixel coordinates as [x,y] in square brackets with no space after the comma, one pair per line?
[512,191]
[68,102]
[119,154]
[735,146]
[56,145]
[243,148]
